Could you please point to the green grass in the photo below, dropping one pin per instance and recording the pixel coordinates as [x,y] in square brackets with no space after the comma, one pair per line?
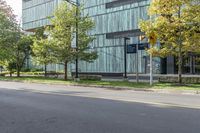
[142,85]
[36,79]
[104,83]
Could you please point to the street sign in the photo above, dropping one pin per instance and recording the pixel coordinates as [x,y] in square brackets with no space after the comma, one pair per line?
[131,48]
[143,46]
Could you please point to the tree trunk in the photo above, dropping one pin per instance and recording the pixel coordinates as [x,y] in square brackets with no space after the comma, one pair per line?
[66,70]
[18,71]
[180,70]
[180,62]
[45,70]
[11,73]
[180,55]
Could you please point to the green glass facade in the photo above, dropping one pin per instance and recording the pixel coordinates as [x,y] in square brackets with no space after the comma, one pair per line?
[112,17]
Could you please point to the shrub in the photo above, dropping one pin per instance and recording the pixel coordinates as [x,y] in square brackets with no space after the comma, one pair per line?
[37,69]
[3,74]
[172,79]
[25,70]
[90,77]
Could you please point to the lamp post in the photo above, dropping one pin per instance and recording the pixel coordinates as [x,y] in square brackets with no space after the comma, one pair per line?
[151,69]
[125,57]
[137,71]
[77,37]
[140,38]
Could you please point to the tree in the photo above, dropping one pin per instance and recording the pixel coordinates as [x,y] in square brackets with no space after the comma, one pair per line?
[17,53]
[22,50]
[176,24]
[8,24]
[62,31]
[9,34]
[14,45]
[42,49]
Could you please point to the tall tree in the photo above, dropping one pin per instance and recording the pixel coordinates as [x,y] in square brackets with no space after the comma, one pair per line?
[21,51]
[14,45]
[42,49]
[61,34]
[9,34]
[8,24]
[17,53]
[176,24]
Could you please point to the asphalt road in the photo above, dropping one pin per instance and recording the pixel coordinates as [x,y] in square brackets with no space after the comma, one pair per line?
[25,110]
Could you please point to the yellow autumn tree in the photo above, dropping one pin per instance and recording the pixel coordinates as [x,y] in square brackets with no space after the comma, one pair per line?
[176,24]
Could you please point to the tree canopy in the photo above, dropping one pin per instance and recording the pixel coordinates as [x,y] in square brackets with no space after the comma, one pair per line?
[9,33]
[15,46]
[66,22]
[176,25]
[42,49]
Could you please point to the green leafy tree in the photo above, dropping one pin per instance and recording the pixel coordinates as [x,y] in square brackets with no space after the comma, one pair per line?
[14,45]
[62,31]
[176,24]
[22,51]
[18,52]
[9,34]
[42,49]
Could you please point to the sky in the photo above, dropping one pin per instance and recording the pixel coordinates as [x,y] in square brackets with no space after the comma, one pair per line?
[16,6]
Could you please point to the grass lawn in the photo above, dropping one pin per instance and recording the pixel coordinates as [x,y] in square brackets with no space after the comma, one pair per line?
[36,79]
[142,85]
[104,83]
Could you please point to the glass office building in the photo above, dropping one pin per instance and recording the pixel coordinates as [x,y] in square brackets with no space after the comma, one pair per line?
[35,13]
[115,20]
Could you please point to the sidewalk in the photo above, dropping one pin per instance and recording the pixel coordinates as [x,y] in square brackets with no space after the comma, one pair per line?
[153,99]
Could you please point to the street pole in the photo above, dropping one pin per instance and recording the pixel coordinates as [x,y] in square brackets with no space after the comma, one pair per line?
[125,58]
[151,69]
[77,37]
[151,59]
[137,71]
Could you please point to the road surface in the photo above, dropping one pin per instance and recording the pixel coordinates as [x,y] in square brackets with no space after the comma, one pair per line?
[39,108]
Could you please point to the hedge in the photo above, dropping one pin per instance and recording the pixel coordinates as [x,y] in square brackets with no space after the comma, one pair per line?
[172,79]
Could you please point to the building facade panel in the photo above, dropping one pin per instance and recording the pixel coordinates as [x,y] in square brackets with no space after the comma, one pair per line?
[35,13]
[118,18]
